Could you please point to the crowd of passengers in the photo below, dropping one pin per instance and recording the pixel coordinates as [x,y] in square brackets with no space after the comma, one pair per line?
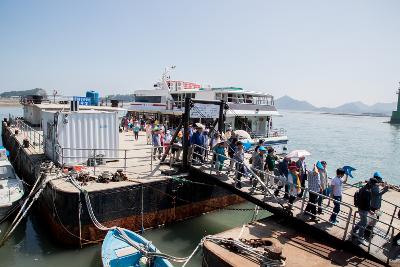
[294,176]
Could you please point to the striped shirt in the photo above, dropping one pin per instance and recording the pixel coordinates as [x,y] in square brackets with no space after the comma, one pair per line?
[314,182]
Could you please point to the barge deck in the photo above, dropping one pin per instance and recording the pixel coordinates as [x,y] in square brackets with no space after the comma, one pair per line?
[146,199]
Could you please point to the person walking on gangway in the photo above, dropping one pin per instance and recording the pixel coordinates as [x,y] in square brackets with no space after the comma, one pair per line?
[337,189]
[240,168]
[257,167]
[323,174]
[314,186]
[231,151]
[363,203]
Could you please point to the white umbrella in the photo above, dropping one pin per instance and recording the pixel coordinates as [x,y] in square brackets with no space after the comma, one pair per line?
[298,153]
[199,125]
[242,134]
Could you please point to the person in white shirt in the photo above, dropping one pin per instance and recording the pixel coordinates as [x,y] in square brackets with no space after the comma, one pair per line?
[337,188]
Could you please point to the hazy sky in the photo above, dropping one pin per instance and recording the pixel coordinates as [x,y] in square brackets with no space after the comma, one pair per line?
[326,52]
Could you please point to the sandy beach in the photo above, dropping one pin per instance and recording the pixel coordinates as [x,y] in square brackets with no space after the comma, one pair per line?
[7,102]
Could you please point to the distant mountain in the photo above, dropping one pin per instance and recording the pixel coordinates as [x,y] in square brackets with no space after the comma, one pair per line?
[36,91]
[352,107]
[358,107]
[286,102]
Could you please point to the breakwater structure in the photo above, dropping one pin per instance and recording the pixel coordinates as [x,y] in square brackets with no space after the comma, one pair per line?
[395,119]
[129,189]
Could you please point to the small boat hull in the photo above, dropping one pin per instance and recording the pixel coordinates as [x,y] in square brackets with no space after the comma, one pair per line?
[117,252]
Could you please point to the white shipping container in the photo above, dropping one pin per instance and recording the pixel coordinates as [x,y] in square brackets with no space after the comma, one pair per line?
[80,135]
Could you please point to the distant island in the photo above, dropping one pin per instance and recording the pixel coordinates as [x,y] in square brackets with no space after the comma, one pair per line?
[355,108]
[17,94]
[11,98]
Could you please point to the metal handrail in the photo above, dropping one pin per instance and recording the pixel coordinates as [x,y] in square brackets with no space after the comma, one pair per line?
[61,156]
[270,177]
[259,180]
[34,136]
[370,240]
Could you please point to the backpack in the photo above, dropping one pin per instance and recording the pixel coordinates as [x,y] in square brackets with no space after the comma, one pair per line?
[356,198]
[358,195]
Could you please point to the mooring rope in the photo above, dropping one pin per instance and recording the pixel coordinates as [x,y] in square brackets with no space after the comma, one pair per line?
[33,196]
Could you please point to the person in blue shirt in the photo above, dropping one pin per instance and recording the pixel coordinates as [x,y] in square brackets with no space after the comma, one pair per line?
[197,143]
[219,152]
[231,150]
[136,129]
[156,141]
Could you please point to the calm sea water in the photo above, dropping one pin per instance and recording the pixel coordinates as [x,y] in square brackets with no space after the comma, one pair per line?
[367,143]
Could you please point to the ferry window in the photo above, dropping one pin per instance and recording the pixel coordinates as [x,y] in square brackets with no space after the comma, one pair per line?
[148,99]
[248,98]
[243,123]
[230,98]
[218,96]
[175,97]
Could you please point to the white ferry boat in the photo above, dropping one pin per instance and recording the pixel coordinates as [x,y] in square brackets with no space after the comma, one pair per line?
[250,111]
[11,187]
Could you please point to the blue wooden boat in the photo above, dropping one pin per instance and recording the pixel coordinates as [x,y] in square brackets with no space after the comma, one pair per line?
[124,248]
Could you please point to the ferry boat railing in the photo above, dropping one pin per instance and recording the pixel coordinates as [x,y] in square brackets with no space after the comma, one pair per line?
[95,159]
[281,132]
[34,136]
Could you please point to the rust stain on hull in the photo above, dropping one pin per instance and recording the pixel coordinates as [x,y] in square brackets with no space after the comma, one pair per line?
[69,236]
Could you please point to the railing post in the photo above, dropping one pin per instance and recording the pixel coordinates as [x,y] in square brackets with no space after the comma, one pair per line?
[391,220]
[125,161]
[151,158]
[304,199]
[94,163]
[62,156]
[347,224]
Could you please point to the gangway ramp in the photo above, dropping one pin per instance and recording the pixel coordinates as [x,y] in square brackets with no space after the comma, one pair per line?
[380,246]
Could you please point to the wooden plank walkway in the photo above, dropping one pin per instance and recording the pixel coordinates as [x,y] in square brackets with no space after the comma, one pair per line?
[380,245]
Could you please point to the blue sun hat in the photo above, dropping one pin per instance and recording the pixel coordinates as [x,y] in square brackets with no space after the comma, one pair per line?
[378,176]
[261,148]
[348,170]
[319,165]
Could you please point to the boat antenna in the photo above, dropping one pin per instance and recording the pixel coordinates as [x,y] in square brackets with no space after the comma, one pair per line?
[165,77]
